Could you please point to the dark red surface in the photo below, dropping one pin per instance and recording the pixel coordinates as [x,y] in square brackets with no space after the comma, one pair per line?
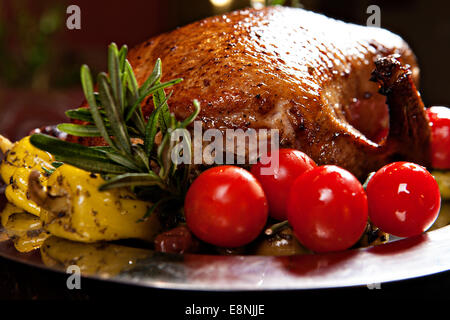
[22,110]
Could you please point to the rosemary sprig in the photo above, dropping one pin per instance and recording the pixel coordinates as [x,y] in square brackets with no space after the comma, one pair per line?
[114,114]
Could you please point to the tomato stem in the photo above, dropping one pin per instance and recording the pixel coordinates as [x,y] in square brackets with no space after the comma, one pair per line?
[276,228]
[368,179]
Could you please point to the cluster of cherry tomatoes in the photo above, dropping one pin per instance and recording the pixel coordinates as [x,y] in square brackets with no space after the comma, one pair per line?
[326,206]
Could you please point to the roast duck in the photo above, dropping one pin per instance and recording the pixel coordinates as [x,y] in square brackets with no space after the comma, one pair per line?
[342,93]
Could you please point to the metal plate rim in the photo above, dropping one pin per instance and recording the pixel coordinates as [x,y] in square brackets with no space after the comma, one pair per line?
[431,244]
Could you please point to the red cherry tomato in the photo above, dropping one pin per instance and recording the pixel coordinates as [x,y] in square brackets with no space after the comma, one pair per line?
[276,185]
[226,206]
[404,199]
[440,137]
[327,209]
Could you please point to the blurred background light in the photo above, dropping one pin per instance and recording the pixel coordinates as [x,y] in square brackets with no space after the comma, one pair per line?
[221,3]
[257,4]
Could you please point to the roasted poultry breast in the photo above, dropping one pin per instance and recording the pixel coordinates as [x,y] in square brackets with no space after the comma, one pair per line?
[302,73]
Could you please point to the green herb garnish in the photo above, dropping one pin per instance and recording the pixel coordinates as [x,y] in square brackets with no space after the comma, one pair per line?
[131,157]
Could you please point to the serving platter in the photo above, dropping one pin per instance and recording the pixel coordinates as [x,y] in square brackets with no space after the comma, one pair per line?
[403,259]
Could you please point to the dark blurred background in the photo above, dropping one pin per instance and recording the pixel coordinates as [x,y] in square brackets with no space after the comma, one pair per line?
[40,57]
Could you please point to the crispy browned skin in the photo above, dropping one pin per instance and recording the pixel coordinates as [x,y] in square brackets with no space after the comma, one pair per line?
[289,69]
